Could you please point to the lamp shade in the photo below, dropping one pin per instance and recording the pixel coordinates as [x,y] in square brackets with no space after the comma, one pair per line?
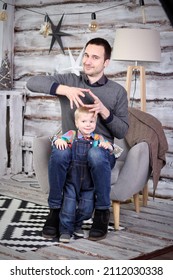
[136,45]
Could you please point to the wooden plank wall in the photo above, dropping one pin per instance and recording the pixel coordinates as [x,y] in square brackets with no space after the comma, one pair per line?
[31,57]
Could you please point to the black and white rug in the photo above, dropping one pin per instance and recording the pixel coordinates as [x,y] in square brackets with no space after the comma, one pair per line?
[21,224]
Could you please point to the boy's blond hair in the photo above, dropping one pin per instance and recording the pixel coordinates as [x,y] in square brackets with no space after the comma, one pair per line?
[81,110]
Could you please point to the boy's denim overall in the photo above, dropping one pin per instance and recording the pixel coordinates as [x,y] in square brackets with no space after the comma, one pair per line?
[78,199]
[100,162]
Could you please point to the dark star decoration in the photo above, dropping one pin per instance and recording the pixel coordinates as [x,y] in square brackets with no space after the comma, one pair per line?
[57,34]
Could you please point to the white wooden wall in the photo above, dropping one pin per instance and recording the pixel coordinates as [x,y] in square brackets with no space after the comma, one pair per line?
[31,57]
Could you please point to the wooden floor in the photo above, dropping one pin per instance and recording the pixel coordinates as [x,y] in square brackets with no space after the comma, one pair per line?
[147,235]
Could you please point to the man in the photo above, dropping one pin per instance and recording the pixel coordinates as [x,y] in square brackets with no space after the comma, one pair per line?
[102,96]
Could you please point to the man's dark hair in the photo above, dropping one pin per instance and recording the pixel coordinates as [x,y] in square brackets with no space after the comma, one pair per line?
[101,42]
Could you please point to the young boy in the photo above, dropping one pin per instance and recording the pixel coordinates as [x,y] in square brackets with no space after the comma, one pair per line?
[78,198]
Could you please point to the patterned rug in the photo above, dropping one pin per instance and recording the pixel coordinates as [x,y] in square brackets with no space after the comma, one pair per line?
[21,224]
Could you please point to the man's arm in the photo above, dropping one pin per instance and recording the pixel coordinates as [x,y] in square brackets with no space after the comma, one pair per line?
[41,84]
[49,85]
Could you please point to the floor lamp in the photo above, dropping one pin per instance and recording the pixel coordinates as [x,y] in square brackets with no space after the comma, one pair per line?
[137,45]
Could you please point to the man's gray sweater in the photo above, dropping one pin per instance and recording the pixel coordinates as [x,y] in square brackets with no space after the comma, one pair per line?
[111,94]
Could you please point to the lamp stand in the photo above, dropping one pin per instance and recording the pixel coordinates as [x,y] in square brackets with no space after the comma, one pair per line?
[141,70]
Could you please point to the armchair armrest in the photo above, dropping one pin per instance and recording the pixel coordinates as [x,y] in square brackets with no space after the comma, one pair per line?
[133,175]
[41,153]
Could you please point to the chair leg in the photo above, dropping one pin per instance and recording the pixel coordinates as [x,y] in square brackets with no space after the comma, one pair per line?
[136,202]
[145,195]
[116,206]
[116,213]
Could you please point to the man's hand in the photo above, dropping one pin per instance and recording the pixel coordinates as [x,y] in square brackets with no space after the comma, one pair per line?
[97,107]
[73,94]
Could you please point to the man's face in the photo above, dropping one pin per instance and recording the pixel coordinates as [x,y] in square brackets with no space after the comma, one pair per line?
[94,61]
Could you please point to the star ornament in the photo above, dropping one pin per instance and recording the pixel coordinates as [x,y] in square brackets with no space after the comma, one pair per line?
[57,34]
[76,66]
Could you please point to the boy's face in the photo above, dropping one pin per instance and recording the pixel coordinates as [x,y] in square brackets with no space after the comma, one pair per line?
[86,123]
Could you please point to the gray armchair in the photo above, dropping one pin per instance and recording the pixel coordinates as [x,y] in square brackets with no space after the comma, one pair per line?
[129,175]
[145,149]
[145,146]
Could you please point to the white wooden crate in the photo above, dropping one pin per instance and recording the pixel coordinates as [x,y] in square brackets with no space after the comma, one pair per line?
[11,125]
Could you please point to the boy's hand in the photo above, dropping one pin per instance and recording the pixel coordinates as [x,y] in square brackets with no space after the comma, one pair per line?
[61,144]
[106,145]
